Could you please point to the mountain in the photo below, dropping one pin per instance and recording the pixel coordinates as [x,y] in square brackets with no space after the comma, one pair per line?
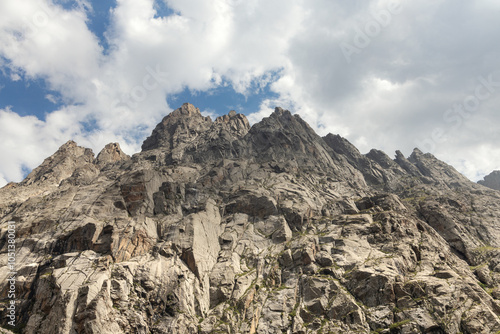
[219,227]
[491,180]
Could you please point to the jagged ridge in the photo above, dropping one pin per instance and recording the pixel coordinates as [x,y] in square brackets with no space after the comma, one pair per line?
[219,227]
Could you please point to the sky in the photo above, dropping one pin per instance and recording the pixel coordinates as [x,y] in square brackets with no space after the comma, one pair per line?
[385,74]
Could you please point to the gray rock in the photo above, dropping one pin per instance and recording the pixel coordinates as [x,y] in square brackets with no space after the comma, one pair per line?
[111,153]
[216,227]
[491,180]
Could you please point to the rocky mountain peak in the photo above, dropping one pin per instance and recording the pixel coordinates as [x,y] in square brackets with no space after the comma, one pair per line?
[70,144]
[285,137]
[181,126]
[47,177]
[280,112]
[61,164]
[111,153]
[186,136]
[217,227]
[491,180]
[409,167]
[234,123]
[342,146]
[429,166]
[381,158]
[186,109]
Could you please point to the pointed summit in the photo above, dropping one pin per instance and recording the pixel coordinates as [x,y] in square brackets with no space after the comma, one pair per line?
[187,136]
[279,112]
[180,126]
[491,180]
[109,154]
[284,137]
[235,124]
[436,169]
[61,164]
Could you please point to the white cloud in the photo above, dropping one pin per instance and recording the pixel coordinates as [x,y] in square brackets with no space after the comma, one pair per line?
[3,181]
[396,90]
[26,141]
[51,98]
[391,95]
[15,77]
[43,40]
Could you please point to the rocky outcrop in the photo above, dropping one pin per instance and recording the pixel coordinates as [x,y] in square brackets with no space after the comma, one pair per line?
[491,180]
[177,129]
[216,227]
[378,175]
[110,154]
[185,136]
[61,165]
[283,137]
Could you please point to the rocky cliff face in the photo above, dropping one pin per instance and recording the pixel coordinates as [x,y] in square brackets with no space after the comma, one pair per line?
[216,227]
[491,180]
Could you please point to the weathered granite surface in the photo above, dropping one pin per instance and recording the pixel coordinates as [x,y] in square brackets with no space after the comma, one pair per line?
[219,227]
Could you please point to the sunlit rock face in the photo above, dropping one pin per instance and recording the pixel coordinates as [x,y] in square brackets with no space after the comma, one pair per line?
[219,227]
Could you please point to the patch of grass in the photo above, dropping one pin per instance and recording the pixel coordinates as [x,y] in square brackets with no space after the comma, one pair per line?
[281,287]
[415,199]
[396,309]
[294,311]
[46,275]
[399,324]
[245,273]
[485,249]
[478,266]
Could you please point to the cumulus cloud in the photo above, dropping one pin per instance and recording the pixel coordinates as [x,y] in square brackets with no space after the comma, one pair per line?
[42,40]
[383,73]
[26,141]
[3,181]
[20,147]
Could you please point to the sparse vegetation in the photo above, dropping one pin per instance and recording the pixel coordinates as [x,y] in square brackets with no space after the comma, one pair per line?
[399,324]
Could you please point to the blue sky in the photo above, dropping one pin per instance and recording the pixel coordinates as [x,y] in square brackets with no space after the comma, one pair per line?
[30,96]
[385,74]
